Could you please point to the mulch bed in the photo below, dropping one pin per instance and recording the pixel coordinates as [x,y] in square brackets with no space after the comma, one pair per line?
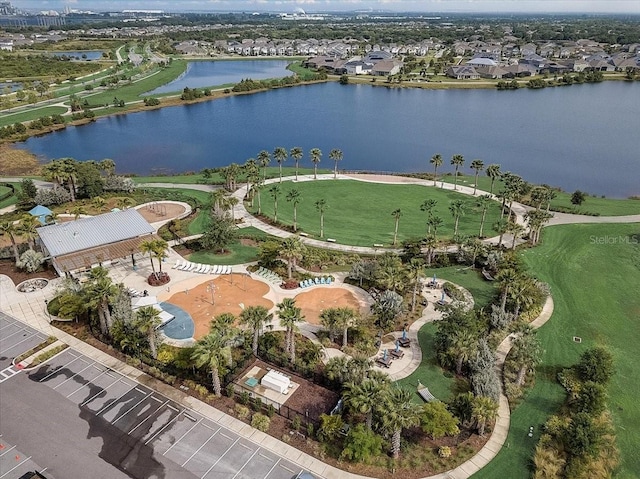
[8,268]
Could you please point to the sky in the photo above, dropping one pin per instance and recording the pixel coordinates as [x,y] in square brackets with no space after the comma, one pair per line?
[290,6]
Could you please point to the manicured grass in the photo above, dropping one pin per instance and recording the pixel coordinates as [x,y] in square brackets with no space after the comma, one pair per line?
[12,200]
[595,291]
[483,291]
[30,114]
[216,178]
[359,213]
[440,383]
[484,182]
[597,205]
[200,224]
[237,254]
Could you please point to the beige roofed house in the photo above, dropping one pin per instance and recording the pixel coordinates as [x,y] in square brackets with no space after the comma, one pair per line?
[87,242]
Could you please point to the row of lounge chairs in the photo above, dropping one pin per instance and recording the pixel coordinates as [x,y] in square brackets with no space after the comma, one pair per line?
[202,268]
[136,294]
[317,280]
[268,275]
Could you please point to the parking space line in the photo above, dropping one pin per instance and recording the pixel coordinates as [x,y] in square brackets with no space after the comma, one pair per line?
[108,405]
[56,371]
[71,377]
[8,451]
[272,467]
[17,344]
[16,466]
[246,447]
[104,372]
[149,416]
[287,469]
[200,448]
[219,459]
[228,437]
[182,437]
[115,380]
[132,407]
[247,462]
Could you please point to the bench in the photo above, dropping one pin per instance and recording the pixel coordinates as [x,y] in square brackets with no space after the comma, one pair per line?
[330,240]
[304,234]
[377,245]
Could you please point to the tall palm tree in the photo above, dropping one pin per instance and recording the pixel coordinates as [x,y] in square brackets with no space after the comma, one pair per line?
[500,227]
[217,200]
[463,347]
[430,243]
[457,161]
[255,317]
[363,397]
[415,271]
[435,222]
[213,352]
[294,197]
[230,203]
[148,247]
[296,154]
[291,250]
[147,321]
[274,191]
[108,166]
[336,156]
[263,160]
[536,219]
[397,213]
[457,209]
[493,172]
[27,228]
[478,166]
[525,352]
[484,409]
[321,206]
[251,170]
[436,161]
[515,229]
[70,174]
[483,202]
[10,229]
[100,293]
[52,171]
[427,206]
[345,318]
[280,154]
[316,155]
[506,279]
[400,412]
[290,315]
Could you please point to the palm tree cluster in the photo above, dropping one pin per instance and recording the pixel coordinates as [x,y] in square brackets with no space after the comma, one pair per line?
[156,249]
[280,155]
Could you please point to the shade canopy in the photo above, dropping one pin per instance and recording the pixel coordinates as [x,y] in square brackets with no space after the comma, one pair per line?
[40,212]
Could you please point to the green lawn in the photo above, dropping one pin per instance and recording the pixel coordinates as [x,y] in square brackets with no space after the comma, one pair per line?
[600,206]
[595,290]
[216,178]
[483,291]
[440,383]
[484,182]
[12,200]
[359,213]
[238,254]
[30,114]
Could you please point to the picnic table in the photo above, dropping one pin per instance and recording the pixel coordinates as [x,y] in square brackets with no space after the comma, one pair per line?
[385,362]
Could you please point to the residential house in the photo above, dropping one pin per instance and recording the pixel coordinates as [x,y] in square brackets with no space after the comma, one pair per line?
[386,67]
[462,72]
[492,71]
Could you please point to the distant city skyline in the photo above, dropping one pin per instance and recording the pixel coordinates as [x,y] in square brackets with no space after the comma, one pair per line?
[291,6]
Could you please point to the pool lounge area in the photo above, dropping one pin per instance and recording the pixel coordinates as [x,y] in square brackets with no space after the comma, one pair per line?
[181,327]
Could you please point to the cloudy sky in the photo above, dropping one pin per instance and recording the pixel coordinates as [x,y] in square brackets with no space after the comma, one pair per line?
[477,6]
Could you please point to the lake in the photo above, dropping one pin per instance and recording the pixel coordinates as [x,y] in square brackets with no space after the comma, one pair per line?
[214,73]
[80,55]
[576,137]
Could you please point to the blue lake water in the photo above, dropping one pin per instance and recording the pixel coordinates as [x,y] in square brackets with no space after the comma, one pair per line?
[80,55]
[213,73]
[577,137]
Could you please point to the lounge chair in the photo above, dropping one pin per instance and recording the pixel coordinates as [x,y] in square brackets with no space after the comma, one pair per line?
[322,280]
[198,268]
[229,269]
[183,266]
[192,267]
[317,280]
[328,279]
[177,265]
[206,270]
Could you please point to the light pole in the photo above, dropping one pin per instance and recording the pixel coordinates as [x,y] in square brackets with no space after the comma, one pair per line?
[212,289]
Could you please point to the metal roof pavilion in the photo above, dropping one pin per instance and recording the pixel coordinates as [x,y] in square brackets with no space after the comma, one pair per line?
[85,233]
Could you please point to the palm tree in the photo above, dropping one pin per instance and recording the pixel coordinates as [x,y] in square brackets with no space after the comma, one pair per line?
[289,315]
[436,161]
[478,166]
[493,172]
[255,317]
[415,271]
[296,154]
[108,166]
[525,352]
[457,161]
[148,247]
[124,202]
[27,228]
[515,229]
[274,191]
[280,154]
[294,197]
[230,203]
[397,213]
[500,227]
[212,351]
[345,318]
[484,409]
[435,222]
[536,220]
[78,211]
[457,209]
[430,244]
[329,319]
[363,397]
[400,412]
[321,206]
[506,278]
[427,206]
[147,321]
[69,172]
[98,203]
[483,202]
[336,156]
[463,347]
[291,250]
[100,292]
[10,228]
[217,200]
[316,155]
[263,160]
[53,172]
[251,169]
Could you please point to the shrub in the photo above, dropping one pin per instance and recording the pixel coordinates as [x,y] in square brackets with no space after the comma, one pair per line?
[241,411]
[296,423]
[119,183]
[51,196]
[444,451]
[260,422]
[30,261]
[596,364]
[361,444]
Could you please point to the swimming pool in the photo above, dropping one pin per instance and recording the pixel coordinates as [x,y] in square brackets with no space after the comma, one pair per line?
[182,327]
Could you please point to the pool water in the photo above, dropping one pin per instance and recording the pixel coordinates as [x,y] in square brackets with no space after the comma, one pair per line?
[182,327]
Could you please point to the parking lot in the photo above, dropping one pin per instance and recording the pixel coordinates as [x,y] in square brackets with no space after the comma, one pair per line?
[130,417]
